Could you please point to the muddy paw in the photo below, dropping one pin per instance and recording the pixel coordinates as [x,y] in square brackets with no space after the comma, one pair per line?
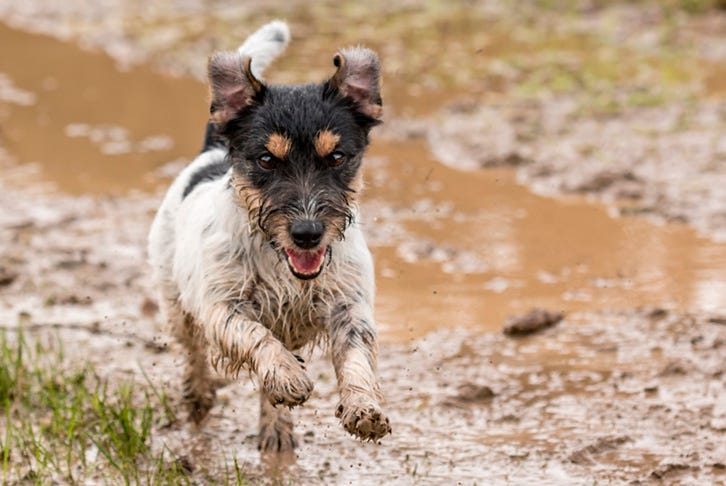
[198,411]
[366,421]
[287,383]
[271,439]
[199,404]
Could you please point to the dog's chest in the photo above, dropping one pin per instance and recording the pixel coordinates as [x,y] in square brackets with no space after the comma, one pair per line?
[296,314]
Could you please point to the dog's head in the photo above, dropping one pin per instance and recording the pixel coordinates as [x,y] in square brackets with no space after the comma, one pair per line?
[296,150]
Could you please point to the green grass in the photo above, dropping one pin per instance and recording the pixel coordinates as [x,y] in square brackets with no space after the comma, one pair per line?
[63,422]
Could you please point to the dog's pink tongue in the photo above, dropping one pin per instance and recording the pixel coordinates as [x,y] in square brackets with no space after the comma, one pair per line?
[306,262]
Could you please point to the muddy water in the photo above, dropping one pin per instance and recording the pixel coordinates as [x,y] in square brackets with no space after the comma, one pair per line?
[452,248]
[490,249]
[88,127]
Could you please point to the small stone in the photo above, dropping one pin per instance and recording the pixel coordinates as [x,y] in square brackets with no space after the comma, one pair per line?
[531,322]
[7,276]
[470,394]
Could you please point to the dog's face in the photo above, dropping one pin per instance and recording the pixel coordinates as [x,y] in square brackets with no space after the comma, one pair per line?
[297,150]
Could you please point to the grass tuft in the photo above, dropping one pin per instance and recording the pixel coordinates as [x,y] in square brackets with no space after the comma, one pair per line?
[64,423]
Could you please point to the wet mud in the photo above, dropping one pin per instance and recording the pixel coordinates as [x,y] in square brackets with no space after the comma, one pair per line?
[664,163]
[114,127]
[476,260]
[629,386]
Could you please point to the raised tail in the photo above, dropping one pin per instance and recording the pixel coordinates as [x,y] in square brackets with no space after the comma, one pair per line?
[263,46]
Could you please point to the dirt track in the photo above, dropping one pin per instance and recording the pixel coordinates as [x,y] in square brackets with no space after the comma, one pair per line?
[630,386]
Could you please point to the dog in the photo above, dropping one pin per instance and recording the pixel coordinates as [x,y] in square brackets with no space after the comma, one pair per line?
[257,248]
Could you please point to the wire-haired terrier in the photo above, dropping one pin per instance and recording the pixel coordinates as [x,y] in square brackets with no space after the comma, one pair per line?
[257,248]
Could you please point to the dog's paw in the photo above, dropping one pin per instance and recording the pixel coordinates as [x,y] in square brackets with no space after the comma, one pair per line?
[199,402]
[364,420]
[198,410]
[274,439]
[287,383]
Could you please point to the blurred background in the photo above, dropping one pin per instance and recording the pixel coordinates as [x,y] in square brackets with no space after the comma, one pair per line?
[558,155]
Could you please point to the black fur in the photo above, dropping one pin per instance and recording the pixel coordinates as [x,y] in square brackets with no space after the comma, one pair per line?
[212,138]
[300,113]
[207,173]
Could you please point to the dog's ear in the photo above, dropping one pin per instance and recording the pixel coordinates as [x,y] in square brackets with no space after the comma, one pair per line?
[232,84]
[359,77]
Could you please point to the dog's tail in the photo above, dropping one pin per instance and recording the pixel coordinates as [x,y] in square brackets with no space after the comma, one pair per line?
[265,45]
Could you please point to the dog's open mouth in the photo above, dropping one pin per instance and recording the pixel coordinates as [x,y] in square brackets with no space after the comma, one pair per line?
[306,264]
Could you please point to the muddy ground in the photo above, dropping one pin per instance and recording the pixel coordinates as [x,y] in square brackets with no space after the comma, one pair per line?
[622,104]
[611,396]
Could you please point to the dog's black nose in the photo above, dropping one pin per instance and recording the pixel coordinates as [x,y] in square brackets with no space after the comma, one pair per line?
[307,234]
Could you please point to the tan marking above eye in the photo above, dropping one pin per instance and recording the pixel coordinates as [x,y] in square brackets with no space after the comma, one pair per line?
[325,142]
[279,145]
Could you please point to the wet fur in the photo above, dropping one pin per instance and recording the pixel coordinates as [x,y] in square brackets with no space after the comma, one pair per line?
[216,243]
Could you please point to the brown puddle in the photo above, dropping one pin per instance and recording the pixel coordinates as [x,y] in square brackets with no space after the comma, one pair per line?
[91,128]
[715,80]
[524,250]
[452,248]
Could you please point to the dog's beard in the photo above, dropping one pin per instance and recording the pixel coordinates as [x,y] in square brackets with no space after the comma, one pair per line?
[305,264]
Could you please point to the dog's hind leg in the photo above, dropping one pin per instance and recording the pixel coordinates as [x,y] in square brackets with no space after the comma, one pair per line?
[199,386]
[275,427]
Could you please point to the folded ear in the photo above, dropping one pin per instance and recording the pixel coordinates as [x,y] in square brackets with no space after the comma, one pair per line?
[232,84]
[358,77]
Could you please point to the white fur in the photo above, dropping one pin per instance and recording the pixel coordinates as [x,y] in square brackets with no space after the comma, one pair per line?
[188,262]
[224,286]
[265,45]
[204,253]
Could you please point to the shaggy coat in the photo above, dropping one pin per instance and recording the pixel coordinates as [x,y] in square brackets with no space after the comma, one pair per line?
[257,249]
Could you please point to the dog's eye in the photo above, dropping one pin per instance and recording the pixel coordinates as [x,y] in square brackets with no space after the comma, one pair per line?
[266,162]
[336,158]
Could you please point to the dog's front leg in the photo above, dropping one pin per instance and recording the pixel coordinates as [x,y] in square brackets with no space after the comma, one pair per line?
[355,354]
[241,341]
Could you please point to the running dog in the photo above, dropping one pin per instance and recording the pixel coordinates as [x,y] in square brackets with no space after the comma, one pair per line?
[257,249]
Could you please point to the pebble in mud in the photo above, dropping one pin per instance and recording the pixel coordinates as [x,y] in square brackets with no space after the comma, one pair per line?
[7,276]
[533,321]
[587,454]
[470,394]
